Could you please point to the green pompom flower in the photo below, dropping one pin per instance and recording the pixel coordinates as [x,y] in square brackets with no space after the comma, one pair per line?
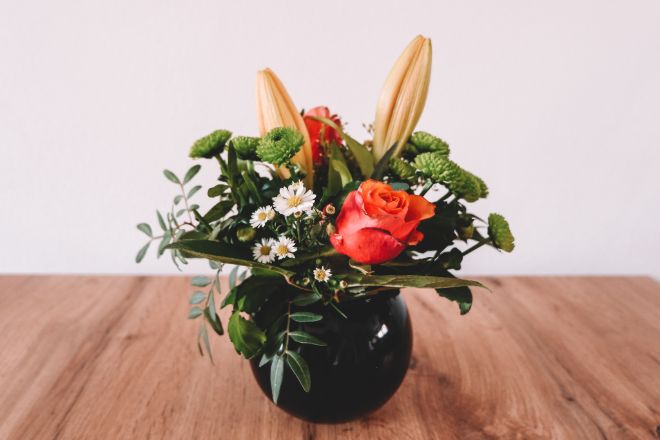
[210,145]
[402,169]
[500,233]
[246,147]
[279,145]
[423,142]
[245,233]
[440,169]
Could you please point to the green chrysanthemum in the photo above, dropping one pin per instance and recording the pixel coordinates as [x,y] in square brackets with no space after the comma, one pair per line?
[423,142]
[500,233]
[246,147]
[210,145]
[440,169]
[279,145]
[402,169]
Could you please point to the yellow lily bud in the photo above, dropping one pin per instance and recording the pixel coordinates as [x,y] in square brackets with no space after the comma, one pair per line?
[276,109]
[402,98]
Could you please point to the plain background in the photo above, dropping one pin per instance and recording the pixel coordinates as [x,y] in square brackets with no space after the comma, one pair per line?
[555,104]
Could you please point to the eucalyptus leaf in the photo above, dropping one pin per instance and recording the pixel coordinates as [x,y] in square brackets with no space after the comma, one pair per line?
[144,227]
[276,376]
[178,199]
[194,190]
[192,172]
[305,338]
[300,369]
[232,277]
[197,297]
[142,252]
[194,312]
[205,337]
[200,281]
[171,176]
[161,221]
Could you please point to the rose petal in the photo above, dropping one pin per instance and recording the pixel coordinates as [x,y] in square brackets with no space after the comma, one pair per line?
[368,246]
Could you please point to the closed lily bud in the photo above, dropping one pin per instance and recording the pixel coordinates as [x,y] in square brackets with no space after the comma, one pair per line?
[402,98]
[276,109]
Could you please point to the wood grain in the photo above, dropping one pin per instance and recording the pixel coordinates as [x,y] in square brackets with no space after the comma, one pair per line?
[539,357]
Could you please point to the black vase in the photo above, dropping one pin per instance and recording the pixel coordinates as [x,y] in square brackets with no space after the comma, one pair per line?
[364,363]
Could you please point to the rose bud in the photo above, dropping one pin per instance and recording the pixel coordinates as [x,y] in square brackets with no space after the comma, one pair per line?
[376,223]
[329,209]
[320,133]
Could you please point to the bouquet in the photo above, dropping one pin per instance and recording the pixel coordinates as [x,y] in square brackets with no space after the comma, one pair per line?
[308,215]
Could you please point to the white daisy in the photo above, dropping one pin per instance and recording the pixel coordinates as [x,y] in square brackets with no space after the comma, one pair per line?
[294,198]
[322,274]
[261,216]
[284,248]
[264,251]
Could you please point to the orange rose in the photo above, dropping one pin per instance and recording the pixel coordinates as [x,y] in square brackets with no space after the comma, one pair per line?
[376,223]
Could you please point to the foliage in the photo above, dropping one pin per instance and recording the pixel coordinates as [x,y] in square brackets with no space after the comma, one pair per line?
[275,233]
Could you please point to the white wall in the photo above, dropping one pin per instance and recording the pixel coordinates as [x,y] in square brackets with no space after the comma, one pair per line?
[555,104]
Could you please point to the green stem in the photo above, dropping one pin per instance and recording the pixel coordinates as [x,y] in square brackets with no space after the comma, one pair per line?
[427,186]
[185,200]
[445,197]
[476,246]
[288,327]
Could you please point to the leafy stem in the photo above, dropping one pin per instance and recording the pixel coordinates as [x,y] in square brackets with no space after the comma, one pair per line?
[476,246]
[185,201]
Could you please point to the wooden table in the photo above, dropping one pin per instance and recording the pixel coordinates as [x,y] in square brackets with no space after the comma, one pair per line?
[539,357]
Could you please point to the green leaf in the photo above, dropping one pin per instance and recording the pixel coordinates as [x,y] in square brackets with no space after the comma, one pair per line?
[200,281]
[216,325]
[194,190]
[252,187]
[401,281]
[144,227]
[305,299]
[204,335]
[461,295]
[383,164]
[167,238]
[178,199]
[194,312]
[211,307]
[362,155]
[214,250]
[300,369]
[171,176]
[306,317]
[232,277]
[219,210]
[264,360]
[197,297]
[245,335]
[161,221]
[217,190]
[191,173]
[276,376]
[305,338]
[142,252]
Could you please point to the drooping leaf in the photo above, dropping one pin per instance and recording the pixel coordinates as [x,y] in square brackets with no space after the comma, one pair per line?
[306,317]
[300,369]
[142,252]
[232,277]
[194,312]
[200,281]
[216,325]
[276,376]
[214,250]
[197,297]
[305,338]
[204,335]
[247,338]
[401,281]
[461,295]
[171,176]
[192,172]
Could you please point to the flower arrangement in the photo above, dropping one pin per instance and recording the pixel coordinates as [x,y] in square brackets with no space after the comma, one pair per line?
[308,215]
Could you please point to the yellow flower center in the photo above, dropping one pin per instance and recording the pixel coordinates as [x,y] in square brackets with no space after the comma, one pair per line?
[262,216]
[264,250]
[282,249]
[294,201]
